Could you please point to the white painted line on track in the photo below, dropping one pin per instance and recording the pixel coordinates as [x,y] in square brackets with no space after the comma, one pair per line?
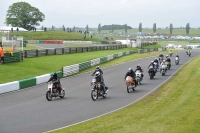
[127,104]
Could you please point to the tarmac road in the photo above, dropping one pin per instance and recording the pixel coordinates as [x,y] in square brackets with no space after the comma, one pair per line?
[28,111]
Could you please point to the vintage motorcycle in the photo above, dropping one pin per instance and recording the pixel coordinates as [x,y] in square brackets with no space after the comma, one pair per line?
[151,72]
[163,69]
[138,77]
[176,60]
[97,90]
[130,84]
[53,91]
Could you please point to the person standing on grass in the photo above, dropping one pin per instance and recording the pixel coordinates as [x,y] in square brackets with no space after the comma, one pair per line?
[2,54]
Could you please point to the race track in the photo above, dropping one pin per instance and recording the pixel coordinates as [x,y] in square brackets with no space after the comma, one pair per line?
[28,111]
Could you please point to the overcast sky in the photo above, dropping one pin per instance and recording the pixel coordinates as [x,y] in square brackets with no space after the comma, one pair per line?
[79,13]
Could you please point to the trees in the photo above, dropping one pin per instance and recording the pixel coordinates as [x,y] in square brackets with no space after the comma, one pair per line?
[154,27]
[74,29]
[125,28]
[140,27]
[187,28]
[171,28]
[63,28]
[99,28]
[87,28]
[22,14]
[112,28]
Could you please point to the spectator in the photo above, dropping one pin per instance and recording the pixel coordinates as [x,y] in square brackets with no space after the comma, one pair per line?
[2,54]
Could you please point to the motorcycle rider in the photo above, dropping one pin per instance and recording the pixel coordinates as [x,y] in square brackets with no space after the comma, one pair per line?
[99,79]
[163,63]
[56,81]
[101,75]
[168,59]
[161,57]
[132,74]
[152,64]
[156,60]
[98,69]
[139,68]
[177,56]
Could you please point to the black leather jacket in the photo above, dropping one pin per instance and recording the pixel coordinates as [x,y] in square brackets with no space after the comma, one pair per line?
[132,74]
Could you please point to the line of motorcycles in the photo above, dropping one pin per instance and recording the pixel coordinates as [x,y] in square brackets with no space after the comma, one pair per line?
[99,91]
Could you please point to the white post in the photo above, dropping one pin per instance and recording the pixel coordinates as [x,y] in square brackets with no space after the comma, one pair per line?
[12,44]
[22,44]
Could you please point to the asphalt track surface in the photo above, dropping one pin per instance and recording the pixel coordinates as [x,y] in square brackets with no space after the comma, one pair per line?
[49,46]
[28,111]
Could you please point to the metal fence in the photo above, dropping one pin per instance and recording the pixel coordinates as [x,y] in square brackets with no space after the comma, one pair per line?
[69,50]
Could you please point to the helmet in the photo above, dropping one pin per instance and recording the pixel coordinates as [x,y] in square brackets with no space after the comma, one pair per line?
[138,65]
[163,60]
[97,67]
[130,69]
[152,61]
[155,58]
[55,75]
[97,74]
[166,56]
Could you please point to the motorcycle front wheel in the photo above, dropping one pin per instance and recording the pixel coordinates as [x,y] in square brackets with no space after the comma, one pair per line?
[94,95]
[48,96]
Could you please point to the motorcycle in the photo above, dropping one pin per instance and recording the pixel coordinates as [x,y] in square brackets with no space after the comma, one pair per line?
[151,72]
[168,65]
[138,77]
[170,54]
[161,59]
[189,53]
[97,90]
[130,84]
[176,60]
[163,69]
[53,91]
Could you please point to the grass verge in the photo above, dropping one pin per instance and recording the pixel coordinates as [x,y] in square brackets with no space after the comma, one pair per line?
[174,108]
[32,67]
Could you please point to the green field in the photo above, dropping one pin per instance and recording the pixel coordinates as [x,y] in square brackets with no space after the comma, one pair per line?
[54,35]
[174,108]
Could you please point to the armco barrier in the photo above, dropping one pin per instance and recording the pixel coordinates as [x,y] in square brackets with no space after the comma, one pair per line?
[42,78]
[7,87]
[95,62]
[103,59]
[25,83]
[84,65]
[69,70]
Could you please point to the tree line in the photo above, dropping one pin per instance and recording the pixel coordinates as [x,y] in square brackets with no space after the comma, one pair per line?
[28,17]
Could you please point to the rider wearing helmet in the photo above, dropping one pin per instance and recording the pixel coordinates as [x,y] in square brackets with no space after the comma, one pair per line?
[101,75]
[132,74]
[139,68]
[163,63]
[161,56]
[56,81]
[156,60]
[168,59]
[153,65]
[98,69]
[99,79]
[177,56]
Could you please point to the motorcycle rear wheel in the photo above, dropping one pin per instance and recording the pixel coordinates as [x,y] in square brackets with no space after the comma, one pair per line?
[48,96]
[63,94]
[94,95]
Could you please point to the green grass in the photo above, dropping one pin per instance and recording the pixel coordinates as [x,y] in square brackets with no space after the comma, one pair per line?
[152,46]
[174,108]
[53,35]
[31,67]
